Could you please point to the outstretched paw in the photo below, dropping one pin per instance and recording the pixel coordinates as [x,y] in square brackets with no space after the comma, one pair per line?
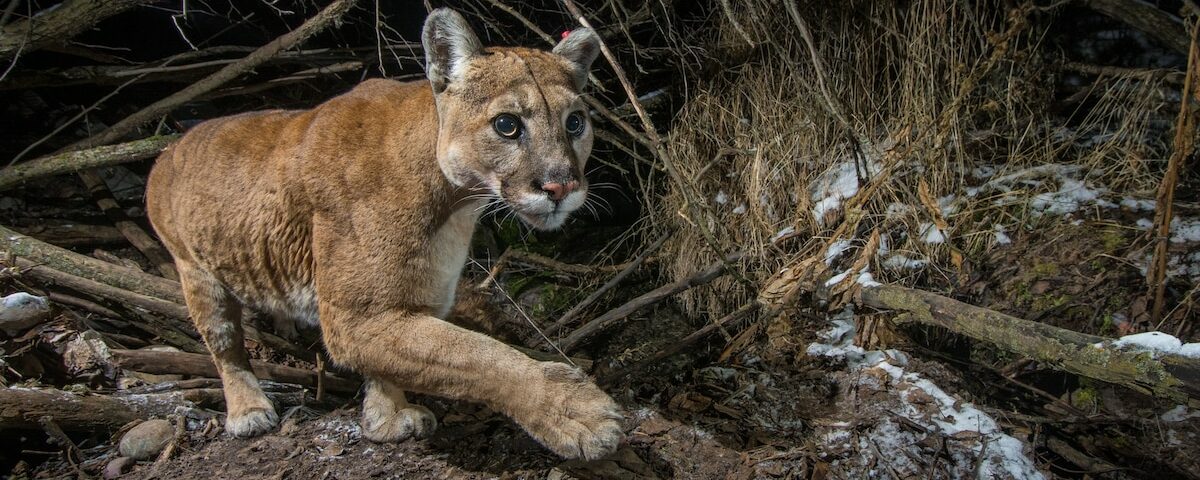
[412,421]
[577,420]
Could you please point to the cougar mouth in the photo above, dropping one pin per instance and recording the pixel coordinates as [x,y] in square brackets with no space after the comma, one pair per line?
[538,211]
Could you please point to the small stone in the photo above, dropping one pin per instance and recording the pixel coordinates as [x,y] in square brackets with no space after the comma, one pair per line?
[20,311]
[117,467]
[147,439]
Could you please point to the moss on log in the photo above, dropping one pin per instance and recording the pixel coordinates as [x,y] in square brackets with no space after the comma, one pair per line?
[82,160]
[1166,376]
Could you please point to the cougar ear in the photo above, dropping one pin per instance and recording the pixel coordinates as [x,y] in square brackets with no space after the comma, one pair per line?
[580,48]
[449,43]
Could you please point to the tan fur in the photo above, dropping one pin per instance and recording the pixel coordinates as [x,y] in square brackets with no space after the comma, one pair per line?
[358,214]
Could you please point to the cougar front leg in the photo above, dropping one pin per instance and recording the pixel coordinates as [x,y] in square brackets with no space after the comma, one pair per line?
[555,403]
[218,317]
[388,417]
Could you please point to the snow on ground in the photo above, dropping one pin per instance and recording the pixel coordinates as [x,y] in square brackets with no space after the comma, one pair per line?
[879,447]
[1001,235]
[835,250]
[931,234]
[1157,343]
[838,183]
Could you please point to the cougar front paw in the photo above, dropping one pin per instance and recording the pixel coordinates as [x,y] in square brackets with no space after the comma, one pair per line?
[251,422]
[412,421]
[576,419]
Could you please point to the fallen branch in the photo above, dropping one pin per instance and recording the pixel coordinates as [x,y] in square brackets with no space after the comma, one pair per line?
[318,22]
[138,237]
[1182,148]
[172,327]
[58,24]
[105,156]
[179,363]
[679,346]
[66,261]
[616,279]
[708,274]
[1168,376]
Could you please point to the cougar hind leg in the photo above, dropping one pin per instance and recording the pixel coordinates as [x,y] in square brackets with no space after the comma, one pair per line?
[218,317]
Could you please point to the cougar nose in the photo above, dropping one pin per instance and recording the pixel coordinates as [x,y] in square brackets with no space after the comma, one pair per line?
[559,191]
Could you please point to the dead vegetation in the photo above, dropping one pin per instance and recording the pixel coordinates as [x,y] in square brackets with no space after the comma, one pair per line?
[863,240]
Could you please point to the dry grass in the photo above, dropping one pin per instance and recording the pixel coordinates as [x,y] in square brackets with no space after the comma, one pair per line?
[942,92]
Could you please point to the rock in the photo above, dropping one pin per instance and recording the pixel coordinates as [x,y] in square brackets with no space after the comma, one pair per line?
[147,439]
[20,311]
[117,467]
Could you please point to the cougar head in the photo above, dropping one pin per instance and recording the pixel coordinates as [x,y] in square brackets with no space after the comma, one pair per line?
[511,122]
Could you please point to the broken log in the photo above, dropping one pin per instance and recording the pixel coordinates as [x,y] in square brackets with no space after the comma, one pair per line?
[70,162]
[179,363]
[1167,376]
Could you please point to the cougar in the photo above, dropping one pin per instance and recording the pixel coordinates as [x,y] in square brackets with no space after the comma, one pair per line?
[357,215]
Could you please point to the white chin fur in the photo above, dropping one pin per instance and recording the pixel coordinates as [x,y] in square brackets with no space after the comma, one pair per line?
[540,212]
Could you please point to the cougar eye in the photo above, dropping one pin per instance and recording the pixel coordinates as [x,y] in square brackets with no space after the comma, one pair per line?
[507,125]
[575,124]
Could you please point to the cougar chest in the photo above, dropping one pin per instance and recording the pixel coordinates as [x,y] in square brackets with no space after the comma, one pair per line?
[448,248]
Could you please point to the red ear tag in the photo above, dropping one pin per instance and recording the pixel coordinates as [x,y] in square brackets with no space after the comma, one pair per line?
[565,34]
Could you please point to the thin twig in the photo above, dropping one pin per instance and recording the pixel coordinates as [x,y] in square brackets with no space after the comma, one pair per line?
[616,279]
[1185,130]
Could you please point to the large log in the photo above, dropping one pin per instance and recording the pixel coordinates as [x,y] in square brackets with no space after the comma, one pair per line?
[23,407]
[1168,376]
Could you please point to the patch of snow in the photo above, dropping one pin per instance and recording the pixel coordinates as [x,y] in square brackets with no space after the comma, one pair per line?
[1145,223]
[896,209]
[740,209]
[1001,235]
[835,250]
[1001,455]
[900,261]
[867,280]
[1136,204]
[1185,230]
[948,205]
[825,206]
[721,198]
[1157,343]
[783,233]
[931,234]
[838,183]
[1071,196]
[836,279]
[983,172]
[1178,414]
